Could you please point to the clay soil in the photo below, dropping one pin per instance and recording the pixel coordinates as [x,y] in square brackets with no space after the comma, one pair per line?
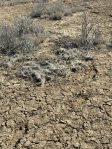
[72,112]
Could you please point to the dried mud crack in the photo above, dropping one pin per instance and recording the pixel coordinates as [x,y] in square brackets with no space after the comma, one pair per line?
[59,94]
[75,112]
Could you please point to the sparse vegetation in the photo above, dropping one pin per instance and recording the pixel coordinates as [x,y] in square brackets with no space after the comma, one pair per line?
[21,36]
[8,39]
[54,10]
[38,10]
[57,10]
[90,35]
[55,92]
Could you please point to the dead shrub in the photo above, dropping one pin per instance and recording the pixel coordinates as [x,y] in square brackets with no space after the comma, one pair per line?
[91,35]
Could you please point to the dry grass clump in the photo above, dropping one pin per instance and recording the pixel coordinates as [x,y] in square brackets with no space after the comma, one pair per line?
[53,11]
[21,36]
[38,10]
[8,39]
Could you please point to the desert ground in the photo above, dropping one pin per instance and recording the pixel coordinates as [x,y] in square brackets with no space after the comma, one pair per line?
[66,102]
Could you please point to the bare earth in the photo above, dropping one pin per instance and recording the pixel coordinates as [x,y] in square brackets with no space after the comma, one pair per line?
[72,112]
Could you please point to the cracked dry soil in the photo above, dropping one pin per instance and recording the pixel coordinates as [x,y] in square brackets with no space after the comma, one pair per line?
[69,113]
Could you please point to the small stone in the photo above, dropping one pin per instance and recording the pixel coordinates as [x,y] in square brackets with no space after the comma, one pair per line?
[27,143]
[74,68]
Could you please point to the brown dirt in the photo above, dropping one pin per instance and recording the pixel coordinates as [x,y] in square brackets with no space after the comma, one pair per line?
[69,113]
